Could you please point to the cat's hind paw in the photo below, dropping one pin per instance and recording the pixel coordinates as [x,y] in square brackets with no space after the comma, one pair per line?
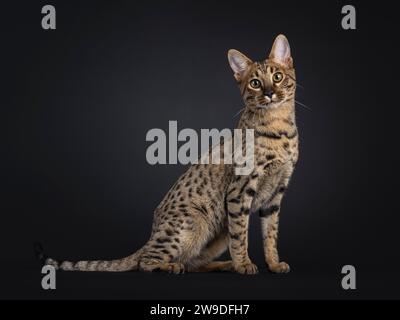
[176,268]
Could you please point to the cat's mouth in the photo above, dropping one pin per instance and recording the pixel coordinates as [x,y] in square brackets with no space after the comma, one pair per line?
[268,102]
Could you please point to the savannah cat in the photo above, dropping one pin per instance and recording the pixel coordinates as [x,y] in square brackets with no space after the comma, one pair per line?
[207,210]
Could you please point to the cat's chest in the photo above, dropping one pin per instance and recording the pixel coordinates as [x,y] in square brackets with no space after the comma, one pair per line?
[275,149]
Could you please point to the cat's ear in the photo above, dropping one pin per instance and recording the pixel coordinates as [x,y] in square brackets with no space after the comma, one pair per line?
[239,63]
[280,52]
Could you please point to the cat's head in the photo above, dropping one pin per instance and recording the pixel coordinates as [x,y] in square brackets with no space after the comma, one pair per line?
[269,83]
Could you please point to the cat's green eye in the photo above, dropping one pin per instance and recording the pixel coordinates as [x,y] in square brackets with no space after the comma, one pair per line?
[255,83]
[277,77]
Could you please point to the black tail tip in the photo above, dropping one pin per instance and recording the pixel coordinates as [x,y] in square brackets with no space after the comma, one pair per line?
[39,252]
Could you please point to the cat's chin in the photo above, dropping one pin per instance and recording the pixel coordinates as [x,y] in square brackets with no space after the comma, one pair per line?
[269,105]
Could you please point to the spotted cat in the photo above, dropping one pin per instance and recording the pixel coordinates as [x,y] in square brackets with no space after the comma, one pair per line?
[207,210]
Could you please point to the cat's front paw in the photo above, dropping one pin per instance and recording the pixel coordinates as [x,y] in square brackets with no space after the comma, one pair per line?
[246,268]
[281,267]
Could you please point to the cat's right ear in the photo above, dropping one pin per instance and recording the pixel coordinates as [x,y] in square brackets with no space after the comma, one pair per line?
[239,63]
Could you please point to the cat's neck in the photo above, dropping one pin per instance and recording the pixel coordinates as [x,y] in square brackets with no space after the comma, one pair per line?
[252,119]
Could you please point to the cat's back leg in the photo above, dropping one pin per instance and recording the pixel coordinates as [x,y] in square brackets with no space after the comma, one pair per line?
[176,239]
[204,262]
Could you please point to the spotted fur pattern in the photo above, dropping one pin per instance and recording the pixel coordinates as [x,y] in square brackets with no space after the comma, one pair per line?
[207,210]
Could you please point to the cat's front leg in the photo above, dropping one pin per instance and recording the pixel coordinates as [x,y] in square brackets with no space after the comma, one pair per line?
[240,197]
[269,224]
[238,243]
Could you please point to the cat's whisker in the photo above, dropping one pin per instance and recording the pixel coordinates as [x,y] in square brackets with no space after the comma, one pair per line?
[237,113]
[303,105]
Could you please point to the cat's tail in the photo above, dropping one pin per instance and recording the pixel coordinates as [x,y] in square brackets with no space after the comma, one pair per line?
[128,263]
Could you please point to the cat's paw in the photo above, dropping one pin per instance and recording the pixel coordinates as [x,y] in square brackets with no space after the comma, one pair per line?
[149,265]
[246,268]
[176,268]
[281,267]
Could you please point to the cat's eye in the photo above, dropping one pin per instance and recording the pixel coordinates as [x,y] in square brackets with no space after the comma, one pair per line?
[277,77]
[255,83]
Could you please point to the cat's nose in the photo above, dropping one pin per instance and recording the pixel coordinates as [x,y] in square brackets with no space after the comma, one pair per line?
[268,93]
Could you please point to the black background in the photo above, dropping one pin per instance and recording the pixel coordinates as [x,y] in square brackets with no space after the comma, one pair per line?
[78,101]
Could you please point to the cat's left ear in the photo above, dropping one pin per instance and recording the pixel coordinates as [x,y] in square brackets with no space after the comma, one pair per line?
[280,52]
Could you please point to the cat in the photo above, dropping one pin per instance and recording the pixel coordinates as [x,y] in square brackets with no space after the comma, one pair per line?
[207,210]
